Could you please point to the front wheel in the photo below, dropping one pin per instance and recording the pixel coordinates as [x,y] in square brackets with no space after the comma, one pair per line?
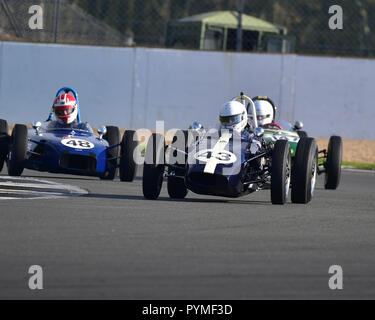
[304,170]
[176,184]
[17,154]
[113,138]
[153,167]
[333,164]
[281,172]
[128,166]
[4,142]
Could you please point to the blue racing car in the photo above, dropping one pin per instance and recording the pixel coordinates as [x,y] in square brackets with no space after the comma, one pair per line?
[67,145]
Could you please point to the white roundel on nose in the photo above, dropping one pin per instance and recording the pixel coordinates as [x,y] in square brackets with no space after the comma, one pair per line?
[77,143]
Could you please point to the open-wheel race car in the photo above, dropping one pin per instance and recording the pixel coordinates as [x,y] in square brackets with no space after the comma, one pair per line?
[71,149]
[329,160]
[230,164]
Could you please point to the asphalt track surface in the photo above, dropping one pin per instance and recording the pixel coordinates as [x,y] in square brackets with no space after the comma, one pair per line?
[113,244]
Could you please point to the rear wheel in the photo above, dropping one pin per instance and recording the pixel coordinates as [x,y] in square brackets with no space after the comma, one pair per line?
[4,142]
[177,188]
[17,154]
[304,170]
[153,167]
[128,166]
[333,164]
[113,138]
[176,185]
[281,172]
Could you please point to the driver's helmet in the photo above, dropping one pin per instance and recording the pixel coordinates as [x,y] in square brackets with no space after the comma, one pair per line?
[265,112]
[233,115]
[196,126]
[65,108]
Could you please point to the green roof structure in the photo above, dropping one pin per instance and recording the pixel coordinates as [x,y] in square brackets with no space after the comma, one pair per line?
[229,19]
[217,30]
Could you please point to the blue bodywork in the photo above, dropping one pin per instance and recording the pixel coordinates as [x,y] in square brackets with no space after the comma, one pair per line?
[227,180]
[47,152]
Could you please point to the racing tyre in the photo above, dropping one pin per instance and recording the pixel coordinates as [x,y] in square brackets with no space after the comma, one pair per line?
[18,149]
[176,188]
[281,172]
[302,134]
[153,167]
[333,164]
[176,185]
[113,138]
[304,170]
[4,142]
[128,166]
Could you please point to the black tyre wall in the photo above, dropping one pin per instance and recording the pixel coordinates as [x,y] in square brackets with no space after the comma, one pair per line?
[306,155]
[113,138]
[128,166]
[281,165]
[176,185]
[4,142]
[153,167]
[18,150]
[333,165]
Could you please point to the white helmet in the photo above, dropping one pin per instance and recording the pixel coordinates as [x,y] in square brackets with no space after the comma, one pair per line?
[265,112]
[233,115]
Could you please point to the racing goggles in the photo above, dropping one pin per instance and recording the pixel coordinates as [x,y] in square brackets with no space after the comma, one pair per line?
[263,117]
[231,120]
[64,111]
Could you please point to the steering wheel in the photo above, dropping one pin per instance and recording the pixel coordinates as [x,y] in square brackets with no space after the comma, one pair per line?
[273,125]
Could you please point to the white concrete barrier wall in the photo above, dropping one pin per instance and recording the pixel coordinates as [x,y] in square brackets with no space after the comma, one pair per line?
[134,87]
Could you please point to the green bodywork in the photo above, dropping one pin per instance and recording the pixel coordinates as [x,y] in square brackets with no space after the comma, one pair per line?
[272,135]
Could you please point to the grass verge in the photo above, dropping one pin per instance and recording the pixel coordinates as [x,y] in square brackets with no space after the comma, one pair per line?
[359,165]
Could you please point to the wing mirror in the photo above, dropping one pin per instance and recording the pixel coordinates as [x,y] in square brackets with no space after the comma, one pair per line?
[298,125]
[102,131]
[36,126]
[259,132]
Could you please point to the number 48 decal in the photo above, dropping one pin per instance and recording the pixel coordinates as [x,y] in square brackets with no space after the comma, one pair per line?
[77,144]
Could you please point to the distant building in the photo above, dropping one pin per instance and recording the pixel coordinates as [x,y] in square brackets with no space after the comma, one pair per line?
[217,30]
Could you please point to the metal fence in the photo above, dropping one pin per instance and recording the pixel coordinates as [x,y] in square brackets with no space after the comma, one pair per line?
[298,26]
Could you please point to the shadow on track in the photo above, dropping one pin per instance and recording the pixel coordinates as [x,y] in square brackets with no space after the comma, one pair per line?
[69,177]
[166,199]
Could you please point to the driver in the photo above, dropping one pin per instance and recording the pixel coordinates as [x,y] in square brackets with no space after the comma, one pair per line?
[233,116]
[65,110]
[265,113]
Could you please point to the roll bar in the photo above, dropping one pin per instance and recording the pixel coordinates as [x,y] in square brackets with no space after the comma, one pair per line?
[243,98]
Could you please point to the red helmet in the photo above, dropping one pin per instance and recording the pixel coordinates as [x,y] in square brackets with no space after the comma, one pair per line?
[65,108]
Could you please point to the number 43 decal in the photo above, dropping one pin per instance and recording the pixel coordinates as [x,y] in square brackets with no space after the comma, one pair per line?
[77,144]
[223,156]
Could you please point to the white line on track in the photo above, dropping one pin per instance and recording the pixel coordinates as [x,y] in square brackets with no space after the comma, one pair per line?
[17,188]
